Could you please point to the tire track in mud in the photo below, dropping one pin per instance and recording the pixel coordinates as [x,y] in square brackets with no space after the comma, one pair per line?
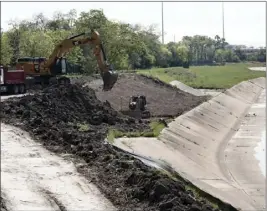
[53,200]
[35,179]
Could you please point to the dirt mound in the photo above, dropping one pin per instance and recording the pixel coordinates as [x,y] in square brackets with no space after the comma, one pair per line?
[81,80]
[162,98]
[72,120]
[3,206]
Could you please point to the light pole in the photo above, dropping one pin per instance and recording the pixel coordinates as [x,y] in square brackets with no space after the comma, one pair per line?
[223,19]
[162,23]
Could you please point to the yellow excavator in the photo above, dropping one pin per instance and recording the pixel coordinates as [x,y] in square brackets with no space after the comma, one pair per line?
[51,70]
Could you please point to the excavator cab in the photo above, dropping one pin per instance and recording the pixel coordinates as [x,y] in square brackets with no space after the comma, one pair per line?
[59,67]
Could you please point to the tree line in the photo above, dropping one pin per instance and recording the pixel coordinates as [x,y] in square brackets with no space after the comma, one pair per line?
[127,46]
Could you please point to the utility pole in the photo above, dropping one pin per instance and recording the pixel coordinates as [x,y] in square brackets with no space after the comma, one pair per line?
[174,38]
[223,19]
[162,20]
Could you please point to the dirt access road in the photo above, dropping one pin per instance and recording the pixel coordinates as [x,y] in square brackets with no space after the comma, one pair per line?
[33,178]
[162,99]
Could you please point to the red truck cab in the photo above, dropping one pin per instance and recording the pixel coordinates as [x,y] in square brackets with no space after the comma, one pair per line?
[12,80]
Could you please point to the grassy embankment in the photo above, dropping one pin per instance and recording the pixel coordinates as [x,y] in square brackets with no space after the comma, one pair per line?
[209,77]
[155,129]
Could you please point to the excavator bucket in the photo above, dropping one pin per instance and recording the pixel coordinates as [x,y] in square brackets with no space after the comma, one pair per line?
[109,78]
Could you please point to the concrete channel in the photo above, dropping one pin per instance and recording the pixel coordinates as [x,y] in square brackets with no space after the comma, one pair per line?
[213,145]
[196,92]
[258,69]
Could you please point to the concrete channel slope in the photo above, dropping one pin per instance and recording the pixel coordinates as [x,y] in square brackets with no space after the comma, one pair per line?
[186,88]
[213,145]
[33,178]
[196,92]
[258,69]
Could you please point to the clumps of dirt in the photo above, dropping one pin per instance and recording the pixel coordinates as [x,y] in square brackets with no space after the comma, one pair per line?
[163,100]
[83,79]
[71,104]
[3,205]
[72,120]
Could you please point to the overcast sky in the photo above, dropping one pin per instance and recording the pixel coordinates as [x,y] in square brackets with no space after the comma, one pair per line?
[245,22]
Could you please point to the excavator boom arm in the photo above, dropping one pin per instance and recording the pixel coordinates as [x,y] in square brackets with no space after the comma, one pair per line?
[108,75]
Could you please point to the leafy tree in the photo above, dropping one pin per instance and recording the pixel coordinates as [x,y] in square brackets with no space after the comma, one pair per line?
[261,56]
[14,42]
[35,44]
[241,55]
[163,57]
[230,56]
[6,50]
[127,46]
[220,56]
[182,53]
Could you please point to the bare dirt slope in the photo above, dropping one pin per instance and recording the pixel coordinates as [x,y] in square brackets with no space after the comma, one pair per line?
[162,99]
[72,120]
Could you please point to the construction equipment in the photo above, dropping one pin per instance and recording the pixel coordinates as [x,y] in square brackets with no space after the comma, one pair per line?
[45,71]
[12,81]
[138,104]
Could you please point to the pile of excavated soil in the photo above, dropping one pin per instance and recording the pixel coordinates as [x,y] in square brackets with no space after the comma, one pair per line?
[3,206]
[84,79]
[162,98]
[72,120]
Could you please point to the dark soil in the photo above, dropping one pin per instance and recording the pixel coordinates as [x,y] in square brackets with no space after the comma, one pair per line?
[3,205]
[162,99]
[84,79]
[57,117]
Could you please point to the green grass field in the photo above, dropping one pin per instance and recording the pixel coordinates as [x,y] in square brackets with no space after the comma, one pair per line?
[209,77]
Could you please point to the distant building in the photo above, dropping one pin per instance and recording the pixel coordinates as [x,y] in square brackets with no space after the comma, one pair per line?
[234,47]
[245,49]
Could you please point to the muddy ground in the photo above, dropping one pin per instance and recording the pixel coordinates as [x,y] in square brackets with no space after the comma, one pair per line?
[33,178]
[72,120]
[162,99]
[3,206]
